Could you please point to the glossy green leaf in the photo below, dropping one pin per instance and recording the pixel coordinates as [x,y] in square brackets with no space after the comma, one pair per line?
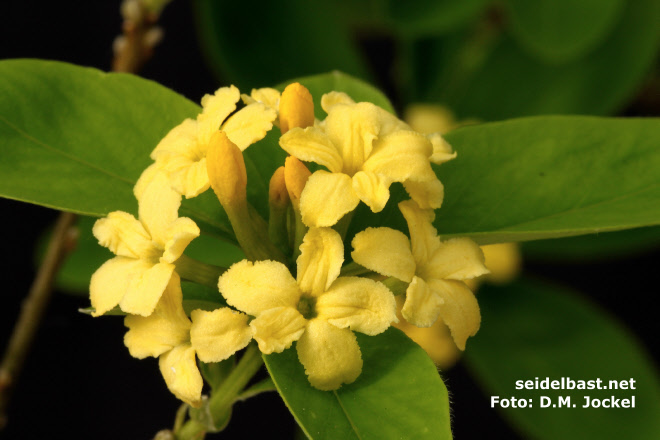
[531,330]
[543,177]
[398,395]
[559,30]
[253,44]
[431,17]
[477,82]
[594,247]
[357,89]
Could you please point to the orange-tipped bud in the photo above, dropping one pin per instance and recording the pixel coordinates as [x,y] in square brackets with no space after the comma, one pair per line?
[296,108]
[295,177]
[277,192]
[226,168]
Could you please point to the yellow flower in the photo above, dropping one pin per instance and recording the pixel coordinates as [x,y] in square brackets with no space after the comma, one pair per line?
[267,96]
[182,152]
[434,268]
[169,335]
[318,309]
[146,249]
[365,149]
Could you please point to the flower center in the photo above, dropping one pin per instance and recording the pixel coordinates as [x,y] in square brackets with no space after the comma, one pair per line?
[307,307]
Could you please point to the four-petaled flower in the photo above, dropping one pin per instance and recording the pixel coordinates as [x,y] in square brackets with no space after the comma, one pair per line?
[145,249]
[434,268]
[318,310]
[169,335]
[365,149]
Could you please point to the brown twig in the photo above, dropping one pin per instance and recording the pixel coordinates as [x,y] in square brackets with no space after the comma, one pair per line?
[33,308]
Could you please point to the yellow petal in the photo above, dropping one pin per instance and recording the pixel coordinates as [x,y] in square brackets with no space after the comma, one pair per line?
[429,118]
[460,310]
[110,282]
[189,178]
[360,304]
[320,260]
[217,335]
[428,194]
[423,236]
[442,151]
[257,287]
[124,236]
[331,99]
[167,327]
[422,305]
[352,130]
[455,259]
[145,289]
[385,251]
[179,234]
[249,125]
[503,260]
[158,207]
[179,369]
[326,198]
[276,329]
[312,145]
[218,106]
[372,189]
[269,97]
[331,356]
[296,175]
[400,155]
[181,140]
[436,341]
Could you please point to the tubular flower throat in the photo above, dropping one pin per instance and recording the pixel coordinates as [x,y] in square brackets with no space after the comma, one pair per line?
[182,152]
[169,335]
[318,309]
[365,149]
[434,269]
[145,249]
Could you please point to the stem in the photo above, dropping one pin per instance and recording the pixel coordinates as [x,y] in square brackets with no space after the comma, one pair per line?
[33,308]
[198,272]
[353,269]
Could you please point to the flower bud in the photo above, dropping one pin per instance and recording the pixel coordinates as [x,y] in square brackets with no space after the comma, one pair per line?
[226,169]
[295,177]
[296,108]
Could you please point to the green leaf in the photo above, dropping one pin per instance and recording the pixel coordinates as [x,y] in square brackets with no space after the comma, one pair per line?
[431,17]
[196,296]
[398,395]
[562,30]
[542,177]
[357,89]
[253,44]
[532,330]
[595,247]
[505,82]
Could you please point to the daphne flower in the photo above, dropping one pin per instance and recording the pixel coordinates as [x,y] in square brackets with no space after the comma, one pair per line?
[145,249]
[169,335]
[434,268]
[318,309]
[365,149]
[182,152]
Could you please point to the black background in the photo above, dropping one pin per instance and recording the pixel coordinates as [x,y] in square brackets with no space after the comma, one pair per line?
[79,380]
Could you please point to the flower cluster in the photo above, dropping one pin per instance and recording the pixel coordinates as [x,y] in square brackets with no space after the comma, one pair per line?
[295,285]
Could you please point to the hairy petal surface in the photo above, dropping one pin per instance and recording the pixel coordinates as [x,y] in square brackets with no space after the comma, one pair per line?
[110,282]
[400,155]
[178,236]
[249,125]
[124,236]
[386,251]
[260,286]
[320,260]
[331,356]
[360,304]
[179,369]
[326,198]
[428,194]
[422,306]
[312,145]
[373,189]
[455,259]
[276,329]
[423,236]
[167,327]
[217,335]
[460,310]
[145,289]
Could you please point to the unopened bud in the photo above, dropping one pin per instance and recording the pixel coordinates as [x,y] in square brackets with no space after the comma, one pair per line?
[277,192]
[226,169]
[295,177]
[296,108]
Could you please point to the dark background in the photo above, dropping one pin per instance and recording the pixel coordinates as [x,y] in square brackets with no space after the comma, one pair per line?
[79,380]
